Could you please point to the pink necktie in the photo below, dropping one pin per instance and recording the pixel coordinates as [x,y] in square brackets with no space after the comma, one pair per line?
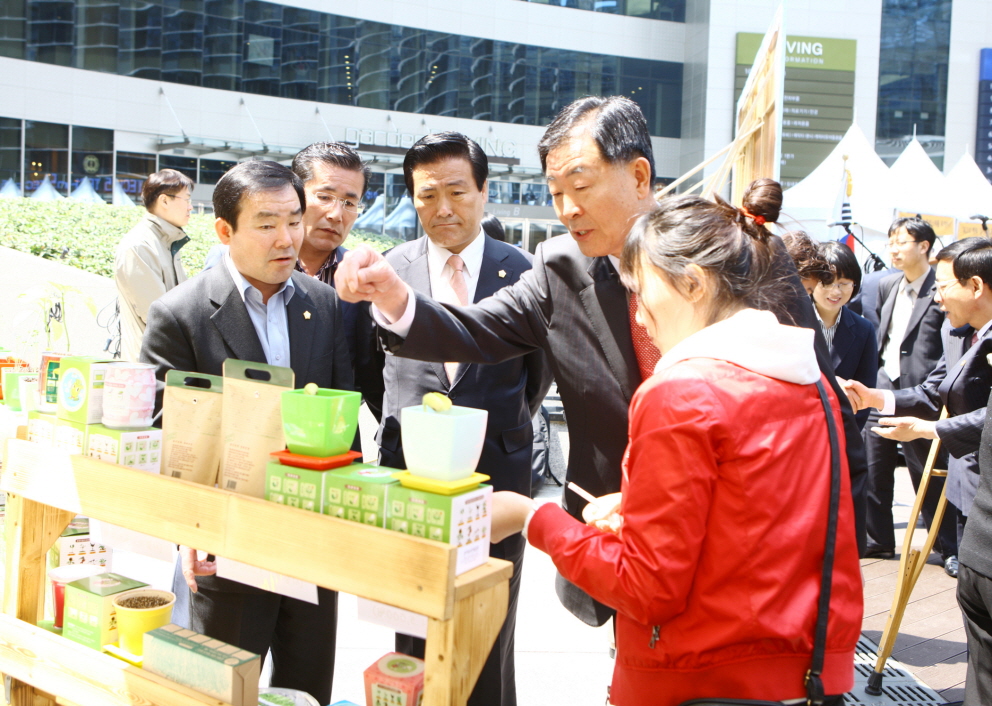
[647,353]
[460,289]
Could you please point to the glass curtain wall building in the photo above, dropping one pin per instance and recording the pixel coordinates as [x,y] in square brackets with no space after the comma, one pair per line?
[276,50]
[671,10]
[912,76]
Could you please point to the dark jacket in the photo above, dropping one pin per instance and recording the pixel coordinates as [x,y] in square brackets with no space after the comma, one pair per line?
[854,353]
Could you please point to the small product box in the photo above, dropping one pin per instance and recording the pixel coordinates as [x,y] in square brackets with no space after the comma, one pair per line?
[90,617]
[70,436]
[358,493]
[80,389]
[395,680]
[463,520]
[296,487]
[217,669]
[136,448]
[41,428]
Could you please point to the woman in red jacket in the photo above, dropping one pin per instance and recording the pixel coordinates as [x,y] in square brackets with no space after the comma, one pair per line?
[715,560]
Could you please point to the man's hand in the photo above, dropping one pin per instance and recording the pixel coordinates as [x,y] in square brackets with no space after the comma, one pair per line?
[605,514]
[905,428]
[510,512]
[193,566]
[861,396]
[364,275]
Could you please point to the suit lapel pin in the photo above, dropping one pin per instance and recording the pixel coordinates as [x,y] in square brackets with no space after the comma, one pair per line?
[306,315]
[502,274]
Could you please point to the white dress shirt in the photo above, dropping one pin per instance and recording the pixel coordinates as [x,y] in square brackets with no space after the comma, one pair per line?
[440,276]
[269,319]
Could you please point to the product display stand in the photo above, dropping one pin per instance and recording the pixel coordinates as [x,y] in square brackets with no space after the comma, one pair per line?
[911,564]
[47,487]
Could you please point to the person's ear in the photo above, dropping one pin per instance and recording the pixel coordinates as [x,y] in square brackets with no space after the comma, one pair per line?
[640,169]
[224,230]
[696,283]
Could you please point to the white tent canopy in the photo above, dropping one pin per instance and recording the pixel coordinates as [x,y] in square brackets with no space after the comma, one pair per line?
[85,192]
[47,192]
[10,190]
[970,190]
[119,197]
[811,202]
[917,185]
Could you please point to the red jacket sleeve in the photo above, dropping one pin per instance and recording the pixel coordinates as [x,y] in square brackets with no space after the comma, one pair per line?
[670,472]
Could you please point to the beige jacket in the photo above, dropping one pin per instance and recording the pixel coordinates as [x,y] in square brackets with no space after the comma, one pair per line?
[146,266]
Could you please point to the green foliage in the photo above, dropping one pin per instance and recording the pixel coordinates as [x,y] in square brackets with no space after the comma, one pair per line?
[85,235]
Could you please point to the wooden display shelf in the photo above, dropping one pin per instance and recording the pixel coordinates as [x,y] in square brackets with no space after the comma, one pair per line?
[47,487]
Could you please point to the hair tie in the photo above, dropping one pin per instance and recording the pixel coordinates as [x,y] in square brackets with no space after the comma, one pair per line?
[760,220]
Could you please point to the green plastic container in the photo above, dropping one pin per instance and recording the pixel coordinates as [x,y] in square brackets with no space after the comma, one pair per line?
[320,425]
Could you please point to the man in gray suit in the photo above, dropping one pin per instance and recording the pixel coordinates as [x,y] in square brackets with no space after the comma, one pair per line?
[599,163]
[253,306]
[446,174]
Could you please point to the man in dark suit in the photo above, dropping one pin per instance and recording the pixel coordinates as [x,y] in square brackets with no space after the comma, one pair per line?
[253,306]
[865,302]
[909,344]
[961,380]
[599,164]
[455,262]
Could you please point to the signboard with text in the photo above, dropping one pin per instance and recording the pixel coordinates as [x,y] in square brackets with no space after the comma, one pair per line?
[983,137]
[819,97]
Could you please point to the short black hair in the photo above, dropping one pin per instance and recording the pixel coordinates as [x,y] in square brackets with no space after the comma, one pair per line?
[493,228]
[439,146]
[165,181]
[970,257]
[249,178]
[919,229]
[337,154]
[842,263]
[618,127]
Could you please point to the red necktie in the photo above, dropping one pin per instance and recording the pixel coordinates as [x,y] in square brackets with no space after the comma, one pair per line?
[647,353]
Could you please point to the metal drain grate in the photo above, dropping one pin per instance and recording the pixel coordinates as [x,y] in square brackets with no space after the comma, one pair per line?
[899,687]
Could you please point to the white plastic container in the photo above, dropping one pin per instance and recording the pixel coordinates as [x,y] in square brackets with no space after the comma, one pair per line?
[443,445]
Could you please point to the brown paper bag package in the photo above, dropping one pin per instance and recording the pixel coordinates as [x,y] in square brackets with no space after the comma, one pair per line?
[252,423]
[191,426]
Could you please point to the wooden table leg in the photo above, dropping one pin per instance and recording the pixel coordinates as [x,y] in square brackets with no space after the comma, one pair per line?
[31,530]
[457,648]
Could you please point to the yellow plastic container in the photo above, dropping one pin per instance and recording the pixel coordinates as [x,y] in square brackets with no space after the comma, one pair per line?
[133,623]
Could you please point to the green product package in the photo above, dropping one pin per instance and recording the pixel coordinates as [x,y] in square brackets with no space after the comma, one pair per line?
[463,520]
[140,449]
[217,669]
[90,617]
[80,389]
[358,493]
[296,487]
[71,436]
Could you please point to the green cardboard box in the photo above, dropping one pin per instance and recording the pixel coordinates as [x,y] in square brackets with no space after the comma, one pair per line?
[90,617]
[462,520]
[70,436]
[296,487]
[80,389]
[212,667]
[136,448]
[41,427]
[358,493]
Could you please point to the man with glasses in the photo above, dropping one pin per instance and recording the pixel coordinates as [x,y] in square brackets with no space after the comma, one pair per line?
[147,263]
[910,346]
[334,178]
[960,381]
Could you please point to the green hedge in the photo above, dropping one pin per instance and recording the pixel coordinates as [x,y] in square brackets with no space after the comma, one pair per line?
[85,235]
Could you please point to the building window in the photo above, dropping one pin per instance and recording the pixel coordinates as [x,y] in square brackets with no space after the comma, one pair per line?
[132,170]
[186,165]
[211,170]
[671,10]
[93,159]
[46,156]
[13,28]
[10,151]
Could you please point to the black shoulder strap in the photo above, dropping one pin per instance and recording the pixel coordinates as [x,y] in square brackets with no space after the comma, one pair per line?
[814,685]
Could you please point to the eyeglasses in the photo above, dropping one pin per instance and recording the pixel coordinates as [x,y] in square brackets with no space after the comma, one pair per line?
[187,199]
[944,286]
[841,286]
[348,205]
[900,243]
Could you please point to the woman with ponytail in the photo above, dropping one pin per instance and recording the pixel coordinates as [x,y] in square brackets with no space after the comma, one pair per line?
[713,556]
